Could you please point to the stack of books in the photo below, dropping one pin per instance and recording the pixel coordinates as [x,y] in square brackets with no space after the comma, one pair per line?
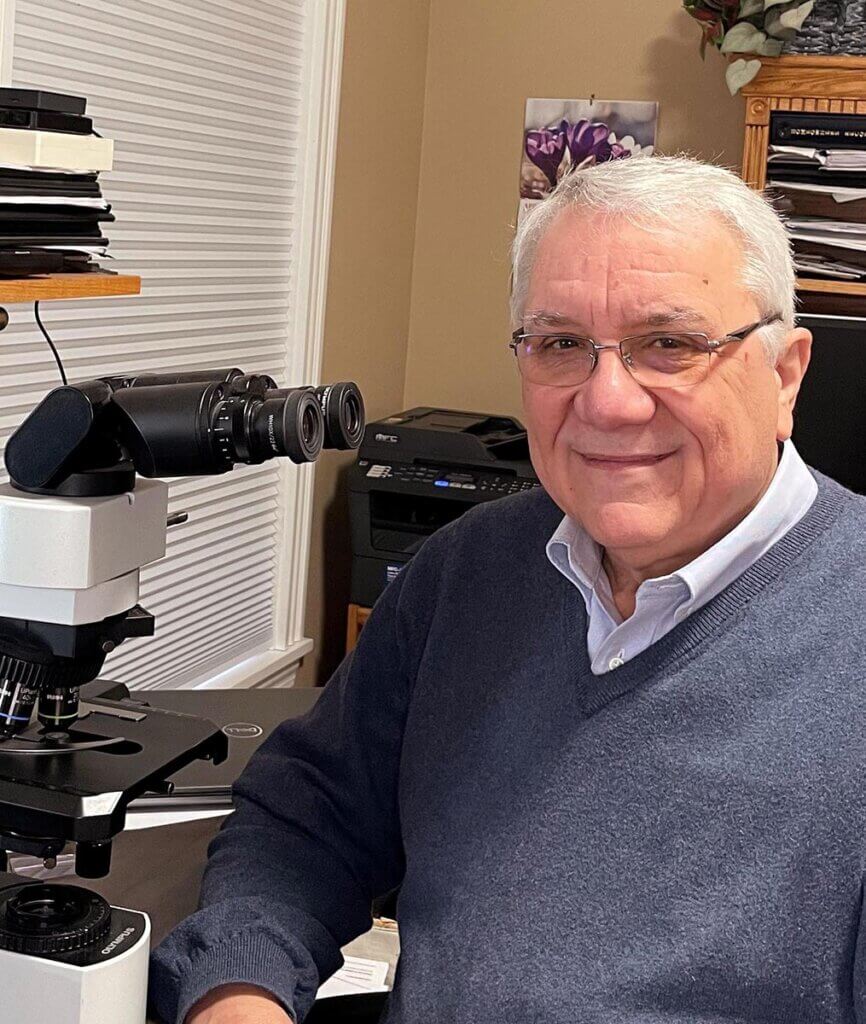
[52,211]
[816,169]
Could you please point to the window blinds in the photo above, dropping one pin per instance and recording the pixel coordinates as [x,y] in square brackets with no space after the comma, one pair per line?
[204,102]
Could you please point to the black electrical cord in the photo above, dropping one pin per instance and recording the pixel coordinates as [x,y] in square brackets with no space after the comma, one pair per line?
[50,342]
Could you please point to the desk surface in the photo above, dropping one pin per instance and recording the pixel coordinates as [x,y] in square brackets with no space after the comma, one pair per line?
[256,713]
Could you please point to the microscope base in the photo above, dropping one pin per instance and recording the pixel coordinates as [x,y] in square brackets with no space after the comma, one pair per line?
[107,985]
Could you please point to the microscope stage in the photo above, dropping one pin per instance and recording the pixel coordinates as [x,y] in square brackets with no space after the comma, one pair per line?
[81,794]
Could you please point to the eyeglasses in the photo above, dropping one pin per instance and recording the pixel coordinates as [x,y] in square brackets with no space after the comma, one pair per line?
[661,360]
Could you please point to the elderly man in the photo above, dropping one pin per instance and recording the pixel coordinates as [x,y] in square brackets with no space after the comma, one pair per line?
[608,739]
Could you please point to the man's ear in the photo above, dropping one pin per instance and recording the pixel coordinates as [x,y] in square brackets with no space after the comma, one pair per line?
[790,369]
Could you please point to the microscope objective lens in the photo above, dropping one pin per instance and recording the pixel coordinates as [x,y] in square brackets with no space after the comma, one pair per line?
[58,708]
[16,706]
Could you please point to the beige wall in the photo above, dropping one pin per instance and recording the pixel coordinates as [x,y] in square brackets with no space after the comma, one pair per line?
[417,310]
[485,58]
[370,275]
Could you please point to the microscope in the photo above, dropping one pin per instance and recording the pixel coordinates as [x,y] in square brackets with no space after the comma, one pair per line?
[76,526]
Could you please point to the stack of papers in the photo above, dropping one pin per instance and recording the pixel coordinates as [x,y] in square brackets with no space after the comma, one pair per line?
[52,211]
[839,194]
[822,266]
[822,195]
[817,159]
[355,977]
[58,210]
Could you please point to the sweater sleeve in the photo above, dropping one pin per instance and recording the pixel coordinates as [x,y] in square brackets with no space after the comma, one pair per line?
[859,963]
[315,833]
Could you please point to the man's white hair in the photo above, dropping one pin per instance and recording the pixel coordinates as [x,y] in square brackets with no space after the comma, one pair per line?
[673,189]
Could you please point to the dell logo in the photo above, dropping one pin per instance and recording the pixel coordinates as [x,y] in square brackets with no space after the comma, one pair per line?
[242,730]
[390,438]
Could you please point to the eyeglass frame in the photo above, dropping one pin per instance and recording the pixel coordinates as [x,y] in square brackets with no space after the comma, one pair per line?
[713,345]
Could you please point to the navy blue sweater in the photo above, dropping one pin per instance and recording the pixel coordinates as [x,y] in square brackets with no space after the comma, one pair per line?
[679,840]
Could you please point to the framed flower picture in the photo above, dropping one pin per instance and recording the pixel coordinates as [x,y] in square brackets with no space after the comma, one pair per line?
[562,135]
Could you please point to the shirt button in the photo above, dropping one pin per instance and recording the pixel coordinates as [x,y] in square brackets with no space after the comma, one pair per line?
[615,662]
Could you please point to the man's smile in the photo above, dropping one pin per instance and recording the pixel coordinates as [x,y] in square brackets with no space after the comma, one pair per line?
[601,460]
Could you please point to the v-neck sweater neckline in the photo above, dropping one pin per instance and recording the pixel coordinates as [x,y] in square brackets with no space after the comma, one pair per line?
[597,691]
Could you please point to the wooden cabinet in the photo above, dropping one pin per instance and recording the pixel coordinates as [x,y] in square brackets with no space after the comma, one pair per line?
[814,84]
[358,615]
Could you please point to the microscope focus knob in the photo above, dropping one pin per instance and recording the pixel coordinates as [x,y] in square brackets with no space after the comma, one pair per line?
[43,919]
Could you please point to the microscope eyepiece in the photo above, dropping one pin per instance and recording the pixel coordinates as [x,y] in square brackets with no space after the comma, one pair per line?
[195,423]
[342,410]
[193,429]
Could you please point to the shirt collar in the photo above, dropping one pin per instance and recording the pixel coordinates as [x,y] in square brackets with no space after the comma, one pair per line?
[792,490]
[576,555]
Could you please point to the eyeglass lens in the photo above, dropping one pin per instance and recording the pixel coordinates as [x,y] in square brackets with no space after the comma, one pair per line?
[655,360]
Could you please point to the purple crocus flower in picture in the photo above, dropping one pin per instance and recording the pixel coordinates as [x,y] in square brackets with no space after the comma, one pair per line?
[587,142]
[545,147]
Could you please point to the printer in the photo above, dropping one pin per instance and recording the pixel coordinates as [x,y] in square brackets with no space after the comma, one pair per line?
[419,470]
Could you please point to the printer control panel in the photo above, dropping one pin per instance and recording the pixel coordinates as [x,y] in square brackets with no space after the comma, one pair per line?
[489,484]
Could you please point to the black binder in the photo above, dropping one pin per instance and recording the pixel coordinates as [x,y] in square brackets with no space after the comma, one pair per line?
[19,213]
[818,131]
[88,241]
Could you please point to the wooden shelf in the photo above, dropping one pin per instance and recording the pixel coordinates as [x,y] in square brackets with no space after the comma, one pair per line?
[809,81]
[67,286]
[823,297]
[817,284]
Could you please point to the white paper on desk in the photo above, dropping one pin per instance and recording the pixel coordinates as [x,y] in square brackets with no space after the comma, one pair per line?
[154,819]
[355,977]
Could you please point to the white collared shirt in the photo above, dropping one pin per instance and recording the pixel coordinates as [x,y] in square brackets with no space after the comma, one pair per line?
[664,602]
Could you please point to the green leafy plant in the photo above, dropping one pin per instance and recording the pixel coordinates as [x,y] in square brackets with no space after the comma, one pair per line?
[760,27]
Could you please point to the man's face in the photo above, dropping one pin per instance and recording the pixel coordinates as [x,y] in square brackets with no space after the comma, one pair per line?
[655,476]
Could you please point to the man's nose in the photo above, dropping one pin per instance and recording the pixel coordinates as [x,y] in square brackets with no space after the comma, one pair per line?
[612,397]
